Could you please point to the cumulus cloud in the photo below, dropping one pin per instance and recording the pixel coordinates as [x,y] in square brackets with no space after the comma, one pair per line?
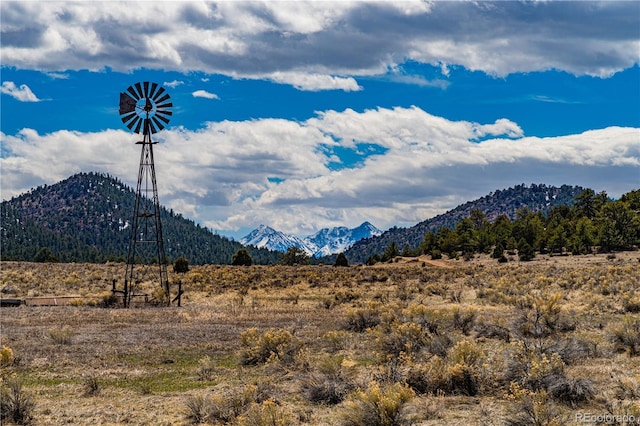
[232,175]
[22,93]
[204,94]
[322,45]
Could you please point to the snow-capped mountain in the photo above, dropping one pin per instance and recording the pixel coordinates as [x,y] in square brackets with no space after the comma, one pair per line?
[267,237]
[336,240]
[324,242]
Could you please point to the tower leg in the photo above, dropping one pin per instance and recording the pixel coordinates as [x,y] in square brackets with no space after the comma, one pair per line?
[146,260]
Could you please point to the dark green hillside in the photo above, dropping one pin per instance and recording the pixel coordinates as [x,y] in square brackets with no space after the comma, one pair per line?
[85,218]
[537,198]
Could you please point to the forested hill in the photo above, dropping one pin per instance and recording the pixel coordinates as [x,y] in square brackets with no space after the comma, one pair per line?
[86,217]
[502,202]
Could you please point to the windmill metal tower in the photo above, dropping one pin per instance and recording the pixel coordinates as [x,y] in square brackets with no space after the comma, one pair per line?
[145,107]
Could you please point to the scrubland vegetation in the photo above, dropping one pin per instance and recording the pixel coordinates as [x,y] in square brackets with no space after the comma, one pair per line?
[413,341]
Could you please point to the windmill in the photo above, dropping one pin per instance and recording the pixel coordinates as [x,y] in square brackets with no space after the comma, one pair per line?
[146,107]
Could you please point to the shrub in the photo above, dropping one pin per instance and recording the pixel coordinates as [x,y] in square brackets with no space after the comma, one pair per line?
[572,391]
[321,389]
[377,406]
[227,406]
[458,374]
[6,357]
[268,413]
[455,295]
[361,319]
[339,298]
[15,404]
[574,350]
[461,379]
[91,386]
[531,369]
[631,304]
[626,337]
[531,409]
[197,409]
[274,343]
[330,384]
[430,407]
[108,300]
[439,345]
[205,368]
[336,339]
[627,388]
[464,321]
[429,319]
[492,331]
[541,316]
[401,338]
[224,406]
[464,362]
[466,353]
[61,336]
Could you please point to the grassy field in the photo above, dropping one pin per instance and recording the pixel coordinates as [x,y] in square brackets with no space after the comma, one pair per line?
[550,342]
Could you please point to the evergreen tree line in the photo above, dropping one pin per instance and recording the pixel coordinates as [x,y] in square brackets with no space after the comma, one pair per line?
[537,197]
[594,223]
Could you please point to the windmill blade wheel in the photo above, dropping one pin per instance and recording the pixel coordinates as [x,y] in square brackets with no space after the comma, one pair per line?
[145,107]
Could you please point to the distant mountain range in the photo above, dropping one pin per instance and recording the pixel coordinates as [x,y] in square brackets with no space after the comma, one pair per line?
[325,242]
[85,218]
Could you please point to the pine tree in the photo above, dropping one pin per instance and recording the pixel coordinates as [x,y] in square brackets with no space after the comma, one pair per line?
[294,256]
[390,252]
[525,251]
[181,265]
[44,255]
[242,258]
[341,260]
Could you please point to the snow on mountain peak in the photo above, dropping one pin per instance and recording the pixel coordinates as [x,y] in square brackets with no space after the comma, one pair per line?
[266,237]
[323,243]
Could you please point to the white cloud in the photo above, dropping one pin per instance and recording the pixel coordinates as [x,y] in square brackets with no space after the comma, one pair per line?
[22,93]
[315,82]
[223,175]
[322,45]
[173,84]
[58,75]
[419,80]
[204,94]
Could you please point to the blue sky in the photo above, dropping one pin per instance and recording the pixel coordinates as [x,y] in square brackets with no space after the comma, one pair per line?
[306,115]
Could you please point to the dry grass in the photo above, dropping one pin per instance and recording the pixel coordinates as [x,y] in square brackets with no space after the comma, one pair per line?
[418,342]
